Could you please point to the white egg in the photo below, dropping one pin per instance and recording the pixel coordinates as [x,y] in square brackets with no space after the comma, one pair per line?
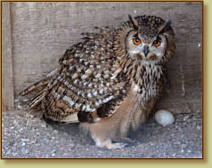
[164,117]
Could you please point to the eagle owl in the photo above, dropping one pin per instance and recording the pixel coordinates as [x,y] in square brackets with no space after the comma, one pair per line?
[110,81]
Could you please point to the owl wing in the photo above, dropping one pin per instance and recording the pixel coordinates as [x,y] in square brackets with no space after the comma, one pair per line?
[87,85]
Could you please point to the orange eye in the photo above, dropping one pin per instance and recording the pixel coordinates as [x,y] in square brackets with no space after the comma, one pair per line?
[157,42]
[136,41]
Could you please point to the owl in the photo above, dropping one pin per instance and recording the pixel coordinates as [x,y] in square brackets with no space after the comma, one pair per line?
[110,81]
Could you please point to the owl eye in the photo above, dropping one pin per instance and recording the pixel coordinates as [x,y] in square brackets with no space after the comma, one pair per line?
[136,41]
[157,42]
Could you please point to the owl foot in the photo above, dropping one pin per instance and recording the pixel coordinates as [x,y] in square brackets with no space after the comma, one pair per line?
[109,145]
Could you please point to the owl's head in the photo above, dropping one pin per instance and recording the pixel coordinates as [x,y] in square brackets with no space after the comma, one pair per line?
[145,39]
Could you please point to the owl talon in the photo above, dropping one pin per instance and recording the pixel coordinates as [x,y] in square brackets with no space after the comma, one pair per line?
[122,144]
[129,142]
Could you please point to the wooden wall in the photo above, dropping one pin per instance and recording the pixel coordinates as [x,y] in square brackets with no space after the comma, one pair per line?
[7,64]
[36,34]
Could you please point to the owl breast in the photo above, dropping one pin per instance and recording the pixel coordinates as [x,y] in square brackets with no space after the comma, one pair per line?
[149,86]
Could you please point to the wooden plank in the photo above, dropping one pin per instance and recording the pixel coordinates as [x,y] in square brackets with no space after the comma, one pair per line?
[43,31]
[7,67]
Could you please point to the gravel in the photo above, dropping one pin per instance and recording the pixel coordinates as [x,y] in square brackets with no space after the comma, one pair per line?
[27,136]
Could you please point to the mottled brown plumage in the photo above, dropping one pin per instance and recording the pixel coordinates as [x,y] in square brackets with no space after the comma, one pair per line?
[110,81]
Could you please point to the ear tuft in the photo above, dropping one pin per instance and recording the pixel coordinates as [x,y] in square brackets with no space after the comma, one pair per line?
[165,27]
[133,21]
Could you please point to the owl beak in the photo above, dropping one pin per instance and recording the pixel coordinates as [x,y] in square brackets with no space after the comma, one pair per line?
[146,50]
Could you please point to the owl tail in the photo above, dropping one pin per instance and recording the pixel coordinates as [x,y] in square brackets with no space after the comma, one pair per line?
[35,86]
[33,95]
[38,90]
[35,100]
